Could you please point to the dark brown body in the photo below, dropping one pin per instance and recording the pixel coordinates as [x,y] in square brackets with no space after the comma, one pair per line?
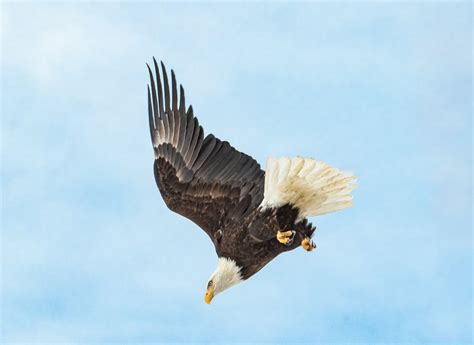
[250,239]
[252,242]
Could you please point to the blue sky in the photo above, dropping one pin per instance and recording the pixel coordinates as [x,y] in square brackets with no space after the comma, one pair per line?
[90,253]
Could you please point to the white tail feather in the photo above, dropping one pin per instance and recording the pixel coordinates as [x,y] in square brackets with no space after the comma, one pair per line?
[313,186]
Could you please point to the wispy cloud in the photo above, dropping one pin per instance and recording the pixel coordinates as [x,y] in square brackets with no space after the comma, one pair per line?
[90,252]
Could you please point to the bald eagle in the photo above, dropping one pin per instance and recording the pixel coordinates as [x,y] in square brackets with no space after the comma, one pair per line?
[250,215]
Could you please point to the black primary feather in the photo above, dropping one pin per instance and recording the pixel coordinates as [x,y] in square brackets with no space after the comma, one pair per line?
[201,178]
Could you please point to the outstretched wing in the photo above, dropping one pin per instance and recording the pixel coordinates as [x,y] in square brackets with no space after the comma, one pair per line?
[202,178]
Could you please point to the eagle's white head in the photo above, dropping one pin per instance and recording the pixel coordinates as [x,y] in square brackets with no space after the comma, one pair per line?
[227,274]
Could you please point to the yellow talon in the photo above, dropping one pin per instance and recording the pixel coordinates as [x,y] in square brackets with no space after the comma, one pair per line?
[285,237]
[307,244]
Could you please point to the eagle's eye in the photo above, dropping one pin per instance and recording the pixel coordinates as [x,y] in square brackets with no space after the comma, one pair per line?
[209,284]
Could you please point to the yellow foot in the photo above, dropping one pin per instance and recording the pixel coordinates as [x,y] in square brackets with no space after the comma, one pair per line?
[307,244]
[285,237]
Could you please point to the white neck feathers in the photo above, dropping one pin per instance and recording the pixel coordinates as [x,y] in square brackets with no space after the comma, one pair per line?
[227,274]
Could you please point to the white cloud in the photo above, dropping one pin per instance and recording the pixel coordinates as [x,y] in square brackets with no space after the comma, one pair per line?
[59,40]
[88,241]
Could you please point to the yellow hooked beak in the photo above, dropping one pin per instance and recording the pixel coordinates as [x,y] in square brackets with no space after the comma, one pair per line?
[209,295]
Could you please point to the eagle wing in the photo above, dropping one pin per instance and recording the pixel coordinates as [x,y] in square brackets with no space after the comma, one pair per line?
[202,178]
